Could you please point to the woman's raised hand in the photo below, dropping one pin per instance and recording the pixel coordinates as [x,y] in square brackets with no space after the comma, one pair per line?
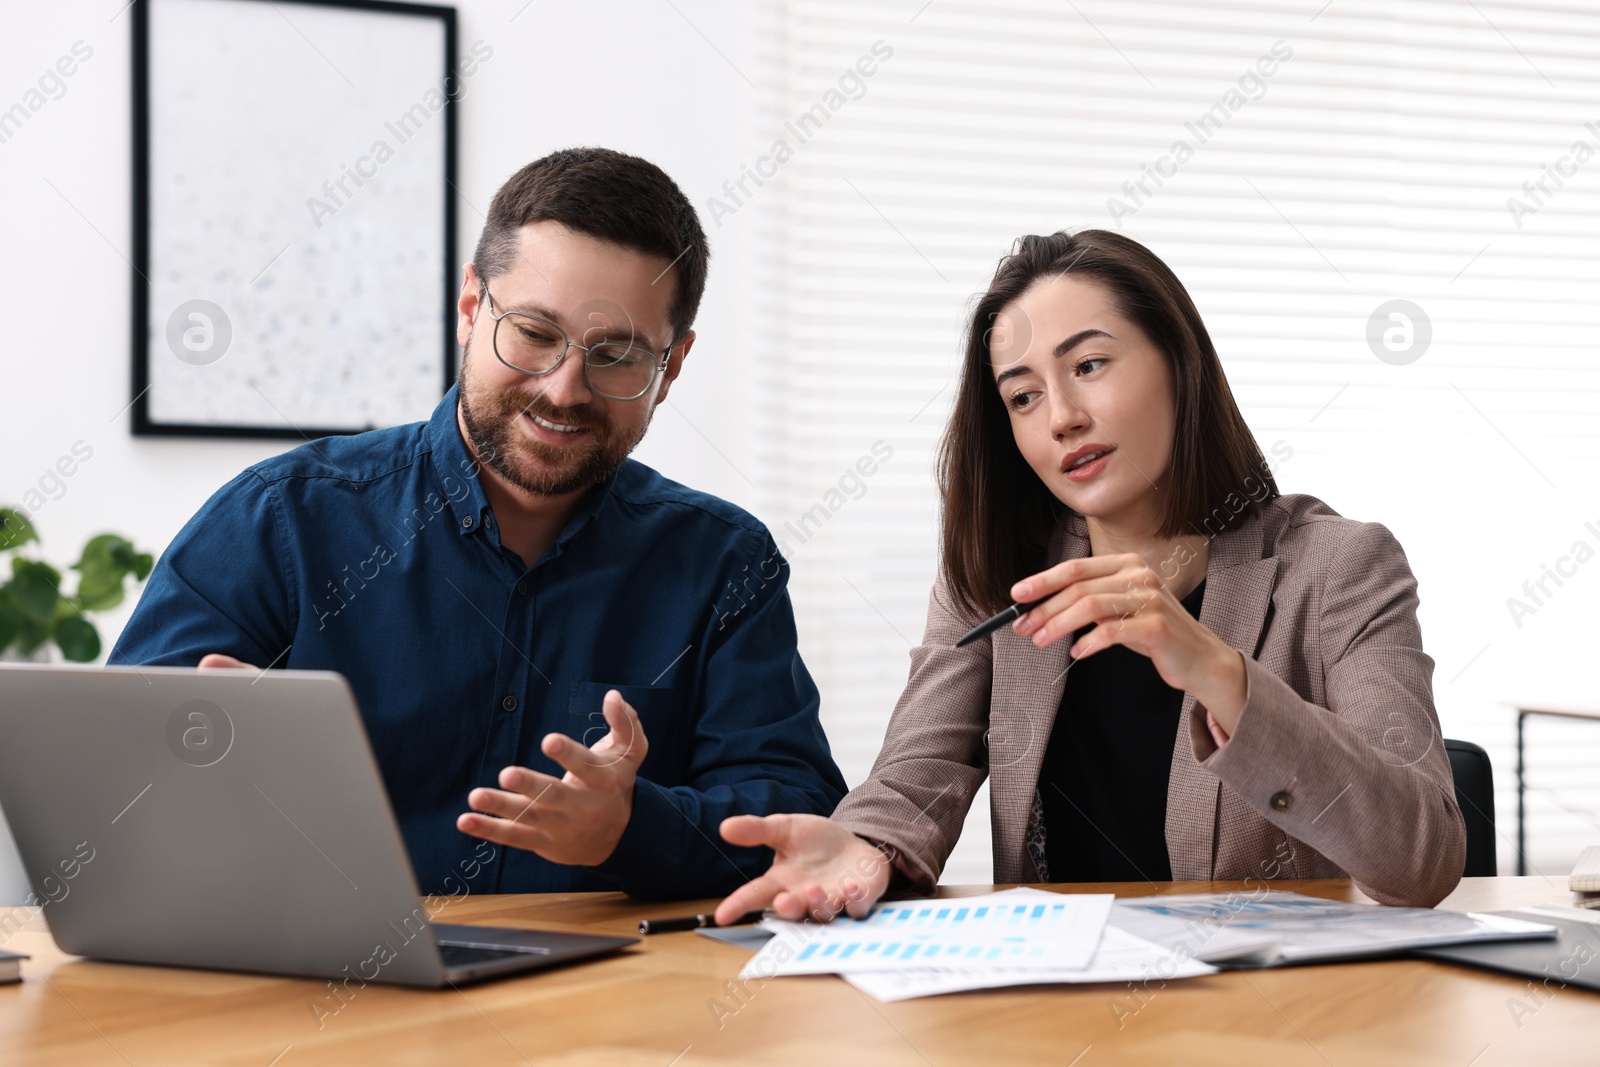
[819,869]
[1131,606]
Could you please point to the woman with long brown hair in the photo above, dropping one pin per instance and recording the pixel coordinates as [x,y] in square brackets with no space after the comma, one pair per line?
[1218,682]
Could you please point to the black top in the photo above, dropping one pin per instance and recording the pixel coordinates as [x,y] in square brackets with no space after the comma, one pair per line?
[1104,777]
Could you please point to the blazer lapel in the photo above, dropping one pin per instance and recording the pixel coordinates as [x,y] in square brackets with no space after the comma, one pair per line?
[1027,696]
[1239,586]
[1028,683]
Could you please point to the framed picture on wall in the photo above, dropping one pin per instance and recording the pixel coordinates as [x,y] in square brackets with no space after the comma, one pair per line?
[293,215]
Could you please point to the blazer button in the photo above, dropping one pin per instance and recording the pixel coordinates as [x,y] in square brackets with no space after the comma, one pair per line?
[509,703]
[1281,801]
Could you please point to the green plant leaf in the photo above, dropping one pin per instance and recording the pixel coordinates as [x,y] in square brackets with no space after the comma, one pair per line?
[99,591]
[31,636]
[15,529]
[35,587]
[104,602]
[106,562]
[102,545]
[78,639]
[10,622]
[100,555]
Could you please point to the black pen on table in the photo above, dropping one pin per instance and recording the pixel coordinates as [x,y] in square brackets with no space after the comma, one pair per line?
[695,922]
[990,625]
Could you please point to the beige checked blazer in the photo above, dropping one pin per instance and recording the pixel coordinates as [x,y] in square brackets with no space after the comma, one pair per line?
[1337,768]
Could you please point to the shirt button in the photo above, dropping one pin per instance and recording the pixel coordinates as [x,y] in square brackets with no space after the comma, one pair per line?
[466,522]
[1281,801]
[522,588]
[509,703]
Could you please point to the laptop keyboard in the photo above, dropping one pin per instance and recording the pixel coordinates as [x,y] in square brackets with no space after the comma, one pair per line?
[465,955]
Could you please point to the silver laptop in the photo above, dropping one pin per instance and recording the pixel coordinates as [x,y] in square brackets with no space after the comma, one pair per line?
[233,820]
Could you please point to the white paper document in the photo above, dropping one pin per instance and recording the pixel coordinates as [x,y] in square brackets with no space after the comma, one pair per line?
[1028,936]
[1120,957]
[1017,928]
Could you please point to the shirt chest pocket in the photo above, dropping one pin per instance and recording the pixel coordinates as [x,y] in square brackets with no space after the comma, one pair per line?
[662,716]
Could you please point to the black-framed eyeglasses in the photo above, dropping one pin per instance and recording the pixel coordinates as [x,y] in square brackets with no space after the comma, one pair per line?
[536,346]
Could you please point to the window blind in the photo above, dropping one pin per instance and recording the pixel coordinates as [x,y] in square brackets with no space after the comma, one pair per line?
[1302,167]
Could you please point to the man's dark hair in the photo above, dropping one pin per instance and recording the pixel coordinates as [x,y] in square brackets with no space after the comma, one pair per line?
[610,196]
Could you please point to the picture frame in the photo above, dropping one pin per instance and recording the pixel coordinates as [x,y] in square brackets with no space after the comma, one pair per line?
[294,166]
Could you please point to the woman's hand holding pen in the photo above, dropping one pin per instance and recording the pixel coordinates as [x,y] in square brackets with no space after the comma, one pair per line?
[1131,606]
[819,869]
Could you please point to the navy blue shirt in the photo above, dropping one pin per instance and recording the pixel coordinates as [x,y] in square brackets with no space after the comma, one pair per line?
[378,556]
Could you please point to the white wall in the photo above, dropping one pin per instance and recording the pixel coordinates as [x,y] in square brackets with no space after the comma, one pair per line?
[636,76]
[673,82]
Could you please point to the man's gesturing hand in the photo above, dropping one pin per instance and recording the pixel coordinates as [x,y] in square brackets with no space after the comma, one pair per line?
[577,818]
[819,869]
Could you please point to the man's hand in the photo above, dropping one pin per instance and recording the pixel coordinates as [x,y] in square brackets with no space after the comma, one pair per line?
[215,661]
[575,819]
[819,869]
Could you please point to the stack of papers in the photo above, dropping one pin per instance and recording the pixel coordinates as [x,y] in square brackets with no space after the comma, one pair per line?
[11,967]
[1267,929]
[1119,957]
[1585,879]
[1026,936]
[923,947]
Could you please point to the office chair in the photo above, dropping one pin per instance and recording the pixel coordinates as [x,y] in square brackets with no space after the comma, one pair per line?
[1469,764]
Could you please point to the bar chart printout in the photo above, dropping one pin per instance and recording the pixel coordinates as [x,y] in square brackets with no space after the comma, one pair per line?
[1014,928]
[1121,957]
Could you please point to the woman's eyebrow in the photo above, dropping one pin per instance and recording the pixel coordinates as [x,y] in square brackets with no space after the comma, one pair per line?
[1078,338]
[1060,350]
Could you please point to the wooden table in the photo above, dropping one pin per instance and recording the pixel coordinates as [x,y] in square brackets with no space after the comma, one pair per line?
[672,1001]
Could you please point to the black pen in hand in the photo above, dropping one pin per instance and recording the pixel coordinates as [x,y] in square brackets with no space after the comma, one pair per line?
[990,625]
[695,922]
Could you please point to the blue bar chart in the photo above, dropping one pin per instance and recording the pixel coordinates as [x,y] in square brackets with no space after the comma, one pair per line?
[1009,929]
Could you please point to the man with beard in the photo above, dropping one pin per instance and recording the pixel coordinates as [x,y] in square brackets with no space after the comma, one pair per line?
[598,663]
